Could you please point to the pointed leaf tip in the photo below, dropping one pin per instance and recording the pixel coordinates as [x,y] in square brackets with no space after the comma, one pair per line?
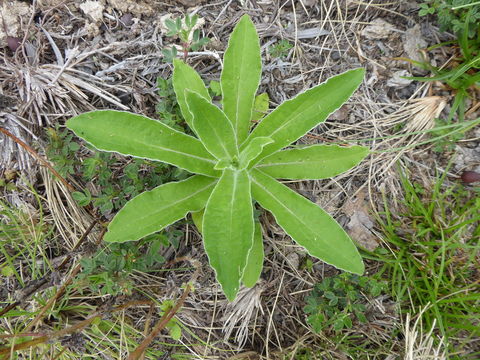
[212,126]
[240,78]
[186,78]
[295,117]
[308,224]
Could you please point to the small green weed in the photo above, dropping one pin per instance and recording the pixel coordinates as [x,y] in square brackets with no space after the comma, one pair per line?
[117,181]
[239,165]
[109,271]
[25,245]
[434,258]
[337,301]
[61,150]
[453,15]
[168,109]
[189,36]
[280,49]
[461,73]
[446,139]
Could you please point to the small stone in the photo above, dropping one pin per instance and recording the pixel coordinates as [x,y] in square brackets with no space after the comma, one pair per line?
[378,29]
[470,177]
[413,41]
[13,43]
[397,79]
[335,55]
[93,9]
[294,260]
[127,20]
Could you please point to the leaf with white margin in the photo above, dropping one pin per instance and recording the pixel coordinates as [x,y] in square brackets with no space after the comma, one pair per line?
[253,149]
[307,223]
[228,229]
[242,69]
[254,267]
[312,162]
[153,210]
[296,117]
[139,136]
[186,78]
[212,127]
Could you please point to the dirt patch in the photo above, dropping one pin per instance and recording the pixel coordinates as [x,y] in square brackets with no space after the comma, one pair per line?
[14,17]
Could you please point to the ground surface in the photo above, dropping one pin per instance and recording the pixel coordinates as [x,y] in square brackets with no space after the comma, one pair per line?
[108,54]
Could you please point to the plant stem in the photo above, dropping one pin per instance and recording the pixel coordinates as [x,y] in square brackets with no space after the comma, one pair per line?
[38,157]
[168,315]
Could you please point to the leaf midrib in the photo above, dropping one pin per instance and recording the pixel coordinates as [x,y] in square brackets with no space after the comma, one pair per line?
[147,145]
[221,140]
[241,77]
[279,202]
[138,219]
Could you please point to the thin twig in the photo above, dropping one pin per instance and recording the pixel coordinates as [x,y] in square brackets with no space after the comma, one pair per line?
[38,157]
[169,314]
[69,330]
[137,353]
[50,302]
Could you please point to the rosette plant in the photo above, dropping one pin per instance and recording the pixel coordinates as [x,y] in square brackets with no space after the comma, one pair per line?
[235,165]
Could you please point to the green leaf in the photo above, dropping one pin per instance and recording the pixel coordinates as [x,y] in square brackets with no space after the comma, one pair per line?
[228,229]
[216,88]
[260,107]
[242,68]
[227,163]
[7,271]
[197,217]
[139,136]
[174,330]
[338,324]
[253,270]
[294,118]
[212,127]
[312,162]
[153,210]
[186,78]
[253,149]
[308,224]
[83,199]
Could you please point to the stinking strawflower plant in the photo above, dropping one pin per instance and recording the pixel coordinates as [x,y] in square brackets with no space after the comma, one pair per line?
[234,165]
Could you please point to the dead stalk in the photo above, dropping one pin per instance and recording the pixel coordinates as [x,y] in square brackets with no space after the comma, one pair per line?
[69,330]
[168,315]
[38,157]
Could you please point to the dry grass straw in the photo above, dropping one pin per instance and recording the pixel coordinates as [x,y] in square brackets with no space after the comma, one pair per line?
[70,220]
[420,345]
